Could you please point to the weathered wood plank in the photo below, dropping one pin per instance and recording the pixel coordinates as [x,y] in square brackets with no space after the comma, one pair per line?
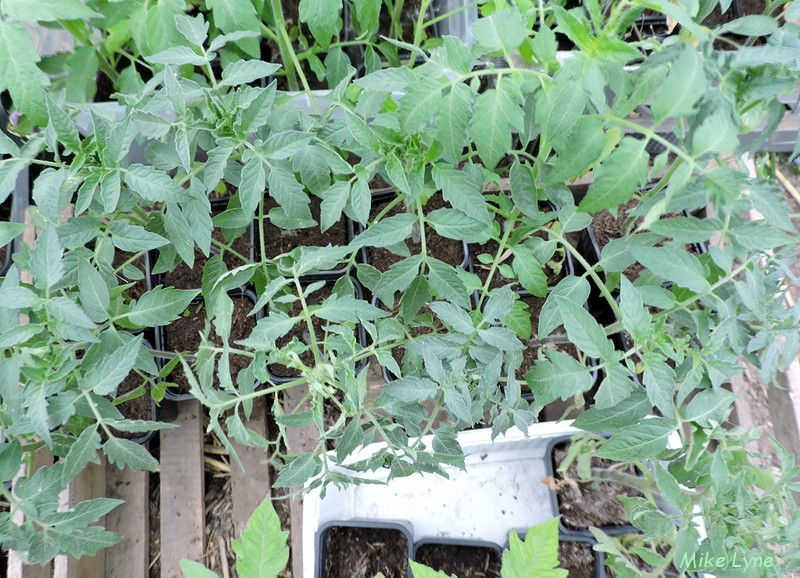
[182,491]
[250,486]
[130,558]
[16,569]
[299,440]
[90,484]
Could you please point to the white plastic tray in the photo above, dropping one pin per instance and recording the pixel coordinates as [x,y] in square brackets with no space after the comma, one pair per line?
[500,490]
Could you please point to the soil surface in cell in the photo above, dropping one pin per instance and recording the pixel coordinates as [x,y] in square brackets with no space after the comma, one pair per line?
[183,334]
[583,504]
[576,558]
[184,277]
[555,269]
[5,216]
[366,551]
[447,250]
[461,561]
[133,272]
[278,241]
[140,408]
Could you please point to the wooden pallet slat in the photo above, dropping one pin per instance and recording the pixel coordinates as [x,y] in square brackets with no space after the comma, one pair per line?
[182,491]
[250,486]
[130,558]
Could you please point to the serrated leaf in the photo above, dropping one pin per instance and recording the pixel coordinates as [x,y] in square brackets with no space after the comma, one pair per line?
[491,125]
[420,571]
[83,514]
[46,262]
[618,178]
[680,267]
[192,569]
[81,453]
[575,289]
[247,71]
[232,16]
[387,80]
[583,330]
[455,111]
[637,442]
[625,413]
[463,189]
[529,271]
[536,556]
[194,29]
[64,126]
[298,471]
[579,152]
[47,10]
[283,145]
[93,292]
[411,389]
[18,71]
[253,184]
[504,30]
[557,377]
[115,366]
[134,238]
[386,232]
[454,224]
[152,184]
[161,306]
[419,105]
[559,110]
[446,283]
[710,407]
[321,17]
[263,549]
[178,56]
[684,86]
[125,453]
[334,200]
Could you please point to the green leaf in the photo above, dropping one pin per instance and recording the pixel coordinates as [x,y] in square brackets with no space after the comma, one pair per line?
[289,193]
[338,67]
[93,292]
[233,16]
[334,200]
[583,330]
[46,262]
[576,289]
[579,152]
[710,407]
[18,71]
[47,10]
[269,328]
[502,31]
[635,318]
[284,145]
[446,283]
[529,271]
[411,389]
[178,56]
[750,25]
[194,29]
[154,28]
[83,514]
[625,413]
[81,453]
[415,297]
[134,238]
[455,111]
[536,556]
[125,453]
[247,71]
[161,306]
[491,123]
[559,110]
[348,309]
[386,232]
[256,114]
[717,133]
[670,488]
[9,232]
[152,184]
[680,267]
[387,80]
[523,188]
[367,12]
[263,550]
[192,569]
[463,189]
[421,571]
[618,178]
[419,105]
[64,127]
[560,376]
[113,367]
[684,86]
[321,17]
[253,183]
[454,316]
[454,224]
[687,229]
[298,471]
[637,442]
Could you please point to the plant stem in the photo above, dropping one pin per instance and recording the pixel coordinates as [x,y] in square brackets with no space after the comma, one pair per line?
[418,28]
[500,250]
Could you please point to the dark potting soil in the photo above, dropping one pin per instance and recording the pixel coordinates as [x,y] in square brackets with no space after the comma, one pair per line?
[585,504]
[278,241]
[5,216]
[408,20]
[300,331]
[138,408]
[183,334]
[750,7]
[576,558]
[133,272]
[554,269]
[461,561]
[365,552]
[184,277]
[446,250]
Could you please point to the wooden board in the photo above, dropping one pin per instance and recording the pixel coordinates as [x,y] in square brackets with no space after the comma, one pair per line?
[250,486]
[299,440]
[130,558]
[182,491]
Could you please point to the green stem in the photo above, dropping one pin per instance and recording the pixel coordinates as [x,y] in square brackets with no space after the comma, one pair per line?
[500,250]
[309,323]
[418,28]
[283,47]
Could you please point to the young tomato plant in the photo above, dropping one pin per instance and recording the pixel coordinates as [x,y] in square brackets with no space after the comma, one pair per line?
[438,133]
